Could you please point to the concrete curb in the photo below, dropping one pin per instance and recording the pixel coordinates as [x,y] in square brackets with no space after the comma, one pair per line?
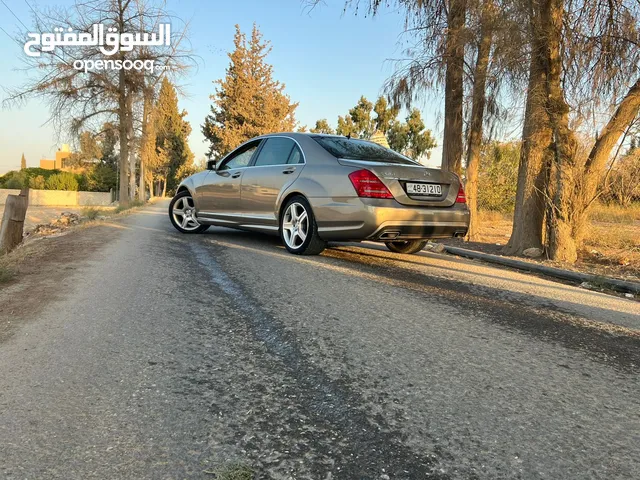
[612,283]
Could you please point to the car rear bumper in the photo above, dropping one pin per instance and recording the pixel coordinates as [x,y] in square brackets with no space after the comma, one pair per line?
[344,219]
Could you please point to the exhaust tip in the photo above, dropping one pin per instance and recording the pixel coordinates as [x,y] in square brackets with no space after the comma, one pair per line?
[389,235]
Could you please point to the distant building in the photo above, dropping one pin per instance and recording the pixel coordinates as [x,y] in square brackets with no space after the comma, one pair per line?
[379,138]
[58,163]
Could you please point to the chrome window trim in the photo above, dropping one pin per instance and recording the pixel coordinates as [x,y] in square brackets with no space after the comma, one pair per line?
[238,148]
[304,157]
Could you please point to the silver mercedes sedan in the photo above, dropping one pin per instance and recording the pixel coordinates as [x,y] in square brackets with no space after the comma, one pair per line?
[311,189]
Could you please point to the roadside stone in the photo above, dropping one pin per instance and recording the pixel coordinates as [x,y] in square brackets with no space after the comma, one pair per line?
[69,218]
[628,295]
[437,247]
[587,285]
[532,252]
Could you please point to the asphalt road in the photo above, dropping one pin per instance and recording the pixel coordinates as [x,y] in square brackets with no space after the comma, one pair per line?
[172,356]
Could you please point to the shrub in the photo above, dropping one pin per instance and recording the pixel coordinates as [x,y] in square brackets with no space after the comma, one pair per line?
[62,181]
[14,183]
[624,181]
[37,182]
[14,180]
[101,178]
[498,177]
[90,212]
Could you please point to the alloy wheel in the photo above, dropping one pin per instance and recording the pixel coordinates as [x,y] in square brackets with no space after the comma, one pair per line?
[184,213]
[295,225]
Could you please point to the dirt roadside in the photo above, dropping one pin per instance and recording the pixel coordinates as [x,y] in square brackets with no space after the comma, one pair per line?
[41,269]
[599,259]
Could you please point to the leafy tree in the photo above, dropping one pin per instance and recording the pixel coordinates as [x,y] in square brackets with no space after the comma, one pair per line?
[84,99]
[411,138]
[108,139]
[23,162]
[385,115]
[248,101]
[361,117]
[358,123]
[89,153]
[346,127]
[322,126]
[398,136]
[101,178]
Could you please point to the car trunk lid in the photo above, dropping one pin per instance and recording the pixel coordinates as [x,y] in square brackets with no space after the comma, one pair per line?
[396,177]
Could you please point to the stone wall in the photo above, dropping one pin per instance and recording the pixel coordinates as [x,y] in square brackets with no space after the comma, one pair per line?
[60,198]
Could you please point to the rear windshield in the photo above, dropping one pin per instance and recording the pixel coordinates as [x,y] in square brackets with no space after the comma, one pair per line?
[354,149]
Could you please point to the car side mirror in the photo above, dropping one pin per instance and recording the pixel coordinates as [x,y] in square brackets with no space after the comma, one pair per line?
[211,164]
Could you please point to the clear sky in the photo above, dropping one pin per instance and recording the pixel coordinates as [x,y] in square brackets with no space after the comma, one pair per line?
[326,57]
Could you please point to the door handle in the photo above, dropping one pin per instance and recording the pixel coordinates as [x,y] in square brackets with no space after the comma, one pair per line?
[289,170]
[236,175]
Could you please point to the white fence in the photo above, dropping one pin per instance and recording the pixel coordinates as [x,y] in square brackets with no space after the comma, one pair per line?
[60,198]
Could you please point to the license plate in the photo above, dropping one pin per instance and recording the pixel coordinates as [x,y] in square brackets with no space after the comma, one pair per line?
[427,189]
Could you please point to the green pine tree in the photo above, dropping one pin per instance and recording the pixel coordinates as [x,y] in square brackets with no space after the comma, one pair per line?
[172,133]
[248,101]
[322,126]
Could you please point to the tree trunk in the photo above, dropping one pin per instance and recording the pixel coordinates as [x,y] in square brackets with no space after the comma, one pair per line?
[624,115]
[474,146]
[12,226]
[454,93]
[164,187]
[123,118]
[565,187]
[528,217]
[132,149]
[146,114]
[123,114]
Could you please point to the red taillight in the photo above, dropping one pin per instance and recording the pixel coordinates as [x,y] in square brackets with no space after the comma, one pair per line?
[461,198]
[368,185]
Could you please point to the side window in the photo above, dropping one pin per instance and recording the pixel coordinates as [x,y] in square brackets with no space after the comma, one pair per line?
[296,156]
[275,151]
[241,157]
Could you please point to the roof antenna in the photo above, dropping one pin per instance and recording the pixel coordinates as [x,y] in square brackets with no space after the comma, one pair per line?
[349,136]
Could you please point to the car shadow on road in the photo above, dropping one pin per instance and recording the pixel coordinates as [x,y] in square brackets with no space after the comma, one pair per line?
[532,315]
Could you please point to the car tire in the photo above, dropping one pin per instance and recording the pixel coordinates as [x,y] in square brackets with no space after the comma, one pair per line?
[298,228]
[185,222]
[410,246]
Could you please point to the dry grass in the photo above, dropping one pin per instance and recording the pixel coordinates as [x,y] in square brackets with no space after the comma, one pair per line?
[615,213]
[613,236]
[132,204]
[491,216]
[611,244]
[91,212]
